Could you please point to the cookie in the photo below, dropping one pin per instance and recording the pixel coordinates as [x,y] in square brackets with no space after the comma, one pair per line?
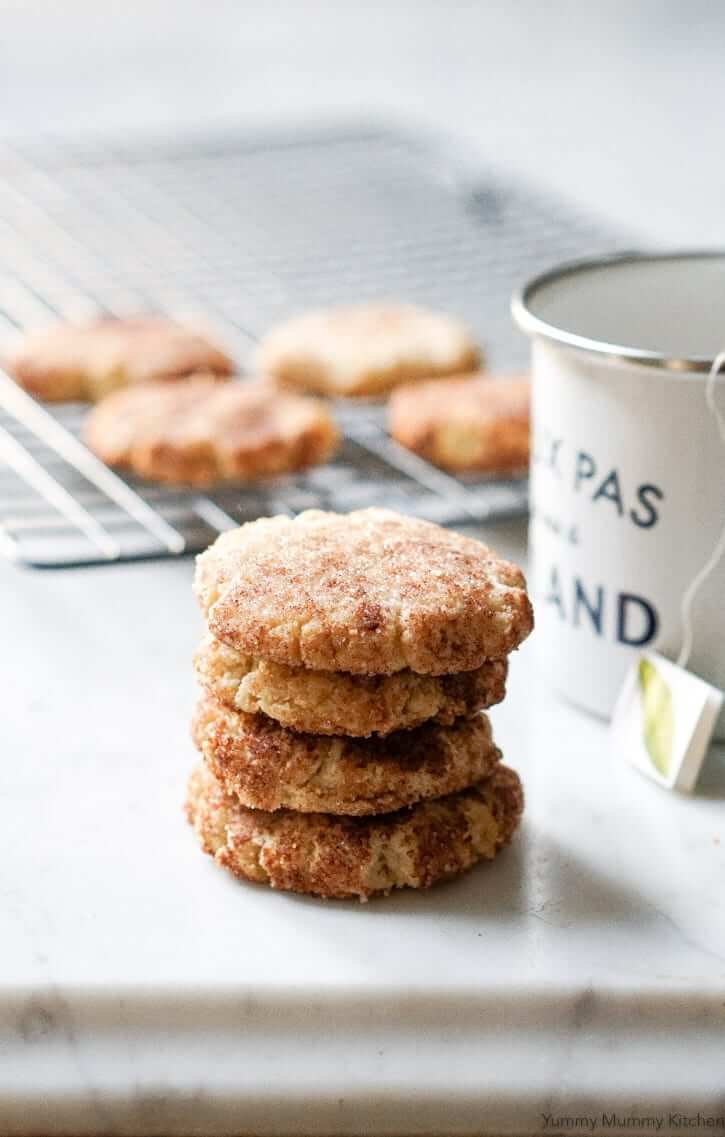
[333,702]
[88,361]
[356,856]
[202,433]
[268,767]
[479,423]
[369,592]
[365,349]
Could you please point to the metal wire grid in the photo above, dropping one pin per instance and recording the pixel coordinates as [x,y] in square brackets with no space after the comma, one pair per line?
[238,234]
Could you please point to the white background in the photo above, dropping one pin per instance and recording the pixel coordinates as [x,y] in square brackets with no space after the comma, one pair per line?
[617,105]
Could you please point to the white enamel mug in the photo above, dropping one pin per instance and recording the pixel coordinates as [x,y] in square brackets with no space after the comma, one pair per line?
[628,468]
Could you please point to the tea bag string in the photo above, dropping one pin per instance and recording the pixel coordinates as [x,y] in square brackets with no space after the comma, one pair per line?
[690,594]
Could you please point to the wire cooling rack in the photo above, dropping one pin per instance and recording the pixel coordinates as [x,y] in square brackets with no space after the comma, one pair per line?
[238,233]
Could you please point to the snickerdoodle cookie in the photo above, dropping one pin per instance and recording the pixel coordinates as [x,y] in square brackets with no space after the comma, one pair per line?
[477,423]
[369,592]
[268,767]
[356,856]
[365,349]
[202,433]
[87,361]
[334,702]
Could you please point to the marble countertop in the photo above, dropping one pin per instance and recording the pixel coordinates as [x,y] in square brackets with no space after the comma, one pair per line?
[138,981]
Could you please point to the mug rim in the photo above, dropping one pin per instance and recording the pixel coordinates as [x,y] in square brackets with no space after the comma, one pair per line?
[534,325]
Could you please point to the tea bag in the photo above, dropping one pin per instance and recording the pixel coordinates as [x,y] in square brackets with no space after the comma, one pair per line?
[664,719]
[665,715]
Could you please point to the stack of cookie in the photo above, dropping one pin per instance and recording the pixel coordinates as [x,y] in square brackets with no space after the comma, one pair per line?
[345,667]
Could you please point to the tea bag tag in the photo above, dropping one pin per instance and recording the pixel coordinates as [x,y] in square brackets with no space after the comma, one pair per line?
[664,717]
[663,721]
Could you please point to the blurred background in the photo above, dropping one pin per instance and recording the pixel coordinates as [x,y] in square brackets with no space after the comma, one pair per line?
[614,105]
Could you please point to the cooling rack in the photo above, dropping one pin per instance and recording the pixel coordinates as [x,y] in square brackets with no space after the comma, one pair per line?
[236,233]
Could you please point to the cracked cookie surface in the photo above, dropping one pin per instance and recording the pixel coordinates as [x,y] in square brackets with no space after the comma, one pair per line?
[346,857]
[370,592]
[479,423]
[202,433]
[335,702]
[88,361]
[365,349]
[269,767]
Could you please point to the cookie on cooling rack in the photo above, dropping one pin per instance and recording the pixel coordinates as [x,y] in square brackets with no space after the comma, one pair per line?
[369,592]
[198,432]
[333,702]
[344,857]
[365,349]
[269,767]
[87,361]
[478,423]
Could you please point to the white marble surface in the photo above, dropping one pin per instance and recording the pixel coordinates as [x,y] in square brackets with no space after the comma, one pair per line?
[142,989]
